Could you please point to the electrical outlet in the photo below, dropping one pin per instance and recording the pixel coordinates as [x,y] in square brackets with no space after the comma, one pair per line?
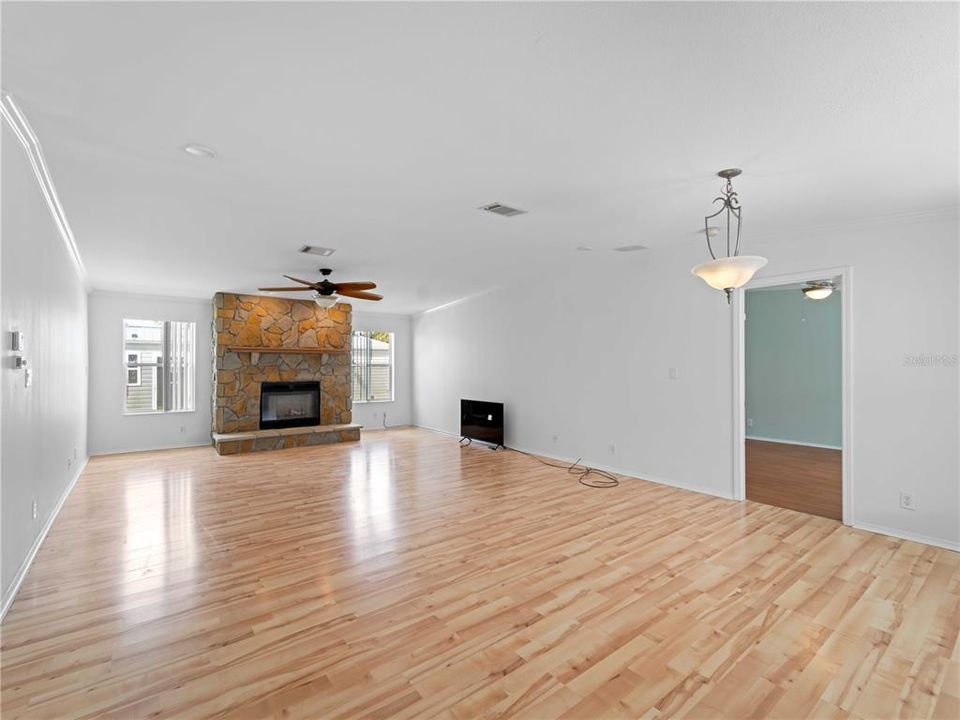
[33,509]
[554,438]
[908,501]
[749,422]
[69,463]
[613,449]
[183,428]
[672,373]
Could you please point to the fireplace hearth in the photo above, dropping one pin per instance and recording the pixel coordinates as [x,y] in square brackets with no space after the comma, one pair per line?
[289,404]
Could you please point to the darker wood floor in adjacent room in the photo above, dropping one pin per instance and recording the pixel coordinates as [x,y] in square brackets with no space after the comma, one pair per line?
[797,477]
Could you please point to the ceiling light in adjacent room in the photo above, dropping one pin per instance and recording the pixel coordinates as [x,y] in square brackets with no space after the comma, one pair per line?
[819,290]
[201,151]
[732,270]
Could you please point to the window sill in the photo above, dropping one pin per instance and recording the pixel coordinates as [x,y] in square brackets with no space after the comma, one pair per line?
[158,412]
[372,402]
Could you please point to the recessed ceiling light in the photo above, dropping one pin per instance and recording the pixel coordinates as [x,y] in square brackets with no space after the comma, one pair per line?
[630,248]
[501,209]
[317,250]
[199,151]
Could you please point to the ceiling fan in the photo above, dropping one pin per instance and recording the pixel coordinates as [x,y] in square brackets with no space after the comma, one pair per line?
[327,291]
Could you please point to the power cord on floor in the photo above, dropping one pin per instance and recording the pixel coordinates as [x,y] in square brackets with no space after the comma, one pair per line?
[604,479]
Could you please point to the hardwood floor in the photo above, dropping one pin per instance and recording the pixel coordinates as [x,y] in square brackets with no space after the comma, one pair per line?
[798,477]
[405,577]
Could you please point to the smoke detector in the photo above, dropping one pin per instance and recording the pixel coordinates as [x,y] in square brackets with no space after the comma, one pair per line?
[630,248]
[315,250]
[504,210]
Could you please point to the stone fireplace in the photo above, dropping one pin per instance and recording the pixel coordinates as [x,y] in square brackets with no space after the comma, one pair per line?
[278,343]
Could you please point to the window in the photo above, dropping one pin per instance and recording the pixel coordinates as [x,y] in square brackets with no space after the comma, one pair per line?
[159,366]
[372,366]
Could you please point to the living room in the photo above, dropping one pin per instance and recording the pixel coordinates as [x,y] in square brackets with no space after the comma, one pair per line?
[402,359]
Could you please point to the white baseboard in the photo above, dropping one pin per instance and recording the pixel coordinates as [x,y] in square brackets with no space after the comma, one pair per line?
[177,446]
[11,593]
[625,474]
[380,428]
[904,535]
[793,442]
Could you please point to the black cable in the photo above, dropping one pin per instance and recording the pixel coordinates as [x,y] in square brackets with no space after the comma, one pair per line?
[607,480]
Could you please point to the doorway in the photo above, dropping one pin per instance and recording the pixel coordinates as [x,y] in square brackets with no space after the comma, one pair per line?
[792,393]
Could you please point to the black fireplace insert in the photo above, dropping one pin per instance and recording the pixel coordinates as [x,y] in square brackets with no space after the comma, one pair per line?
[289,404]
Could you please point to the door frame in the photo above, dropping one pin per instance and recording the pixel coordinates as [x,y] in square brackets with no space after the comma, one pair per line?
[739,380]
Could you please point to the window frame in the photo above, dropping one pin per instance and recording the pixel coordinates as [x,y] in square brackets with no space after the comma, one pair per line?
[161,363]
[392,365]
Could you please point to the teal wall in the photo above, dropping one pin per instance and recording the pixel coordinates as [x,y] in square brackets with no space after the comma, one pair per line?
[793,367]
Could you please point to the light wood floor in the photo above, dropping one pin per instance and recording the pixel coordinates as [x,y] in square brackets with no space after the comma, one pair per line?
[406,577]
[798,477]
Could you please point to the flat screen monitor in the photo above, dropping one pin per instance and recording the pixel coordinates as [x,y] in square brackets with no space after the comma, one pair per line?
[482,421]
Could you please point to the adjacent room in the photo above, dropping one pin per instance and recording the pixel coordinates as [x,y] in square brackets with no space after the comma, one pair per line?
[480,360]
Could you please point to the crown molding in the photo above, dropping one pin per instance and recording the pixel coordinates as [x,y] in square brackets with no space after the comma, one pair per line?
[18,123]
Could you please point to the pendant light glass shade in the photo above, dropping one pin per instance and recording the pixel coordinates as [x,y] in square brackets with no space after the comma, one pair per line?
[728,273]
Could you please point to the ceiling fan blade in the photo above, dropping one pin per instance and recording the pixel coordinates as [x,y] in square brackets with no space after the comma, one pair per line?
[359,294]
[286,289]
[355,286]
[305,282]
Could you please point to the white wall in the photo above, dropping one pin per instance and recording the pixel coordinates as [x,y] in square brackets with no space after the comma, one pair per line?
[43,439]
[110,430]
[398,412]
[584,355]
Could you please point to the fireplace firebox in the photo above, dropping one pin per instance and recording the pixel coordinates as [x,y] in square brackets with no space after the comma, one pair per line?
[289,404]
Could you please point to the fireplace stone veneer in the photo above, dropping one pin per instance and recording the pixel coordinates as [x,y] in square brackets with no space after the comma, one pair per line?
[280,340]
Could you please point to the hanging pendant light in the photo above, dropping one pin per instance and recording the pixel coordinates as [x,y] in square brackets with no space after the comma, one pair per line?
[732,270]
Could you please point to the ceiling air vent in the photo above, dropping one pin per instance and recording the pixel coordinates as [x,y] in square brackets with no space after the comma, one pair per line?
[314,250]
[505,210]
[630,248]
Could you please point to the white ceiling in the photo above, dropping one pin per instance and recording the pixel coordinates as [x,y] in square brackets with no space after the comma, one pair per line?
[378,129]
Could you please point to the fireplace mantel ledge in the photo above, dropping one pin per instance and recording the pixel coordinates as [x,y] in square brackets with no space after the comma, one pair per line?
[263,349]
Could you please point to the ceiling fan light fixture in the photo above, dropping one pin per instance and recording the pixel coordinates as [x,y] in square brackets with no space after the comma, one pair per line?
[819,290]
[326,301]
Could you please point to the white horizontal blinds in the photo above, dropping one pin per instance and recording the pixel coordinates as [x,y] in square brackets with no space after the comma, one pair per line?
[372,366]
[381,373]
[360,361]
[181,361]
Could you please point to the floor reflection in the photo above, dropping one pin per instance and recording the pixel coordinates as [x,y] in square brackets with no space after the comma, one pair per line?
[371,501]
[160,546]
